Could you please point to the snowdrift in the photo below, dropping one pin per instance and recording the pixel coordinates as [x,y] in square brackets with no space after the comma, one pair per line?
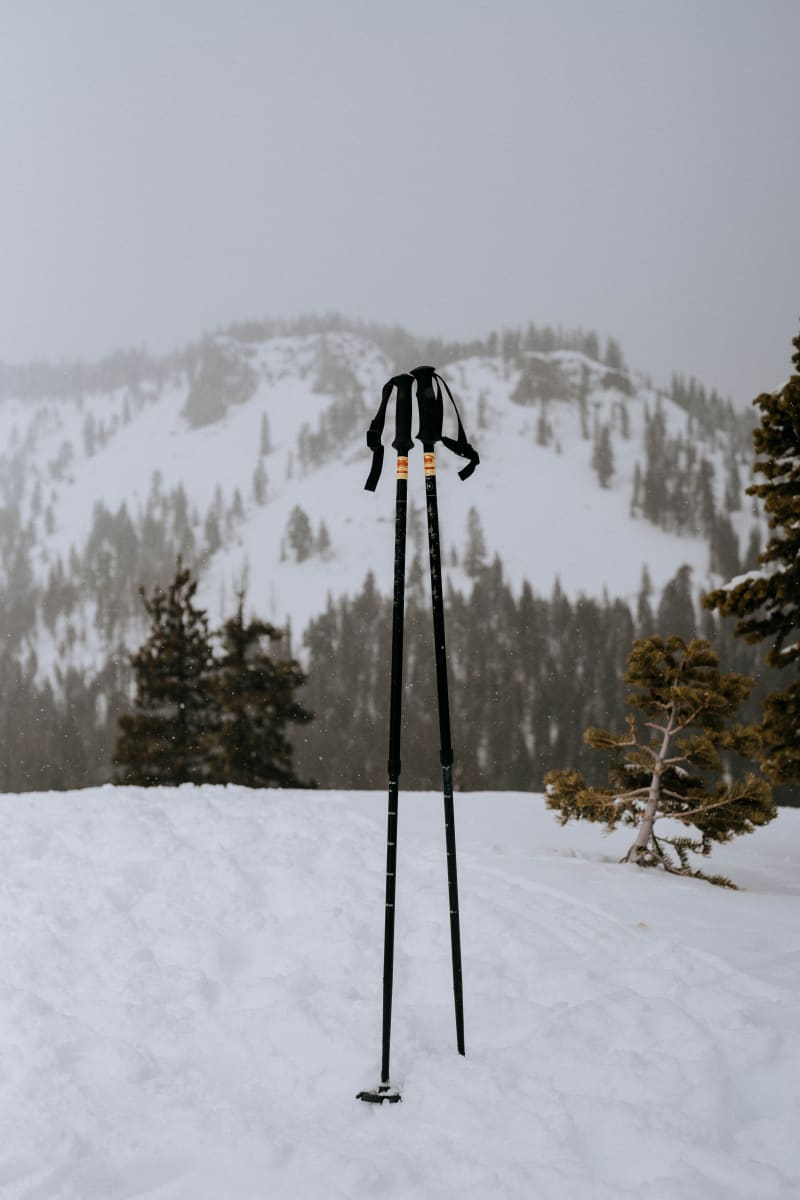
[190,1000]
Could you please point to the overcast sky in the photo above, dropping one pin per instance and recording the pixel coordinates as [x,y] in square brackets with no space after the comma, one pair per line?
[452,165]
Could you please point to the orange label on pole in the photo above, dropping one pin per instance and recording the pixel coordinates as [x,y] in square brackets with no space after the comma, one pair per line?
[430,464]
[402,467]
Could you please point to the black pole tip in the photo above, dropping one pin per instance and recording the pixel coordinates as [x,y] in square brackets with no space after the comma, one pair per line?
[380,1095]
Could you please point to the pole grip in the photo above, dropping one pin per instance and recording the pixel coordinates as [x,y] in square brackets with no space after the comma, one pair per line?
[403,441]
[431,406]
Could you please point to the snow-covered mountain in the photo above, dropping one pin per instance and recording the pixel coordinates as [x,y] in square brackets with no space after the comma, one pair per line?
[222,452]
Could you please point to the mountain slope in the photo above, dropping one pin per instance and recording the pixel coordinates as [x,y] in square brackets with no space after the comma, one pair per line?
[198,471]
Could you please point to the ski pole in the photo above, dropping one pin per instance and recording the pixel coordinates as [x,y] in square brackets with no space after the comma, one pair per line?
[430,431]
[403,443]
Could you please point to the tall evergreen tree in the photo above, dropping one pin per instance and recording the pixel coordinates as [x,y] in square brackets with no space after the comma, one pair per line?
[168,739]
[767,599]
[664,769]
[654,498]
[644,609]
[474,558]
[724,546]
[255,694]
[675,609]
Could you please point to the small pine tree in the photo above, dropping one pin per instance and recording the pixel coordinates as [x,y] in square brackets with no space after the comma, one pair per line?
[255,694]
[724,548]
[299,533]
[766,599]
[603,455]
[260,483]
[613,357]
[624,421]
[322,544]
[636,495]
[475,551]
[644,610]
[168,739]
[543,430]
[676,608]
[665,769]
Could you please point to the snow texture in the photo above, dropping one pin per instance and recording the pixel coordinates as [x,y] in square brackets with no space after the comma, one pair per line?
[190,999]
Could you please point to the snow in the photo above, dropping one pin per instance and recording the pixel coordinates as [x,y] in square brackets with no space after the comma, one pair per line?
[190,999]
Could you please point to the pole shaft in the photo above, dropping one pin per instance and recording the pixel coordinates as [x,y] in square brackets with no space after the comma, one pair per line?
[445,743]
[395,707]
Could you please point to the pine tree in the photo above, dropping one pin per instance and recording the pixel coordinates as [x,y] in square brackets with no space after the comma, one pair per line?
[733,486]
[665,769]
[724,546]
[624,421]
[654,497]
[703,500]
[644,610]
[766,599]
[168,739]
[636,496]
[260,483]
[299,533]
[475,550]
[675,608]
[255,694]
[543,430]
[613,356]
[322,544]
[603,455]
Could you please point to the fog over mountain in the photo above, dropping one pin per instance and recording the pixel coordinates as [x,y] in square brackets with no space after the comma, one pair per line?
[450,166]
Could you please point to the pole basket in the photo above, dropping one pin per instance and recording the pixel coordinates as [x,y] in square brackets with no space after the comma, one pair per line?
[383,1094]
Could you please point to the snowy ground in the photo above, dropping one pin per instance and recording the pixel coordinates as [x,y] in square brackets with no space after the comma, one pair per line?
[190,999]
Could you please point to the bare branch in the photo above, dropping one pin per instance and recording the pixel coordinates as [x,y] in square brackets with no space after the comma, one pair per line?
[631,795]
[659,728]
[693,812]
[672,795]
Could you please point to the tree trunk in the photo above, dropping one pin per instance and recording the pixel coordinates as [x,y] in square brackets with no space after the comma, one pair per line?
[641,850]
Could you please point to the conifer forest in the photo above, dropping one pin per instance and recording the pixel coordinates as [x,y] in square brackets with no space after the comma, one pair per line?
[534,658]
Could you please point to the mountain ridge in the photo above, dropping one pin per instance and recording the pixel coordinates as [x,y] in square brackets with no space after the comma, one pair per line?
[246,455]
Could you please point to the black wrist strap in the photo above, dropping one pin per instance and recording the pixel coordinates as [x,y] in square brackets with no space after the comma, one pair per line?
[374,438]
[459,445]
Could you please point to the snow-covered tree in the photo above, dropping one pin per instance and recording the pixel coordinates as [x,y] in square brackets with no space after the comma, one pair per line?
[664,768]
[767,599]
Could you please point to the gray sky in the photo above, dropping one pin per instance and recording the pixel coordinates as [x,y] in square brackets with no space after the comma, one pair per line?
[623,165]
